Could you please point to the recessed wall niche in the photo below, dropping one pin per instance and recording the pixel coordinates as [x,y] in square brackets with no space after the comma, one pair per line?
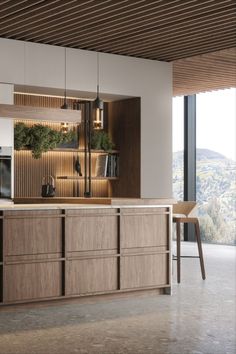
[122,122]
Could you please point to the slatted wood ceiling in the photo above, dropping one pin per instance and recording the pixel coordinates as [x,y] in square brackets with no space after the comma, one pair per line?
[207,72]
[166,30]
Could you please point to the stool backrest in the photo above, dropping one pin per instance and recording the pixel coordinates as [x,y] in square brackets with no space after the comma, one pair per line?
[184,208]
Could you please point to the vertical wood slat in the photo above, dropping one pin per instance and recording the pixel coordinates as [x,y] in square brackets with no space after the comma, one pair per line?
[29,172]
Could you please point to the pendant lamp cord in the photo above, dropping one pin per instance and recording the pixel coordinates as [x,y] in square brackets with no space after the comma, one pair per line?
[65,79]
[98,75]
[24,99]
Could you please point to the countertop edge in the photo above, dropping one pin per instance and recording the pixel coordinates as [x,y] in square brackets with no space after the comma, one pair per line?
[78,206]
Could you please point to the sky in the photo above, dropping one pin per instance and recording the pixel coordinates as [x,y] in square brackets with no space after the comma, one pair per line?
[216,122]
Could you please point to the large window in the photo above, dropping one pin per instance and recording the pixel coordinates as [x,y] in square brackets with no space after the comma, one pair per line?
[215,162]
[216,165]
[178,147]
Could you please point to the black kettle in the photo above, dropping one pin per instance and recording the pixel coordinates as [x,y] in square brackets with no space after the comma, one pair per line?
[48,186]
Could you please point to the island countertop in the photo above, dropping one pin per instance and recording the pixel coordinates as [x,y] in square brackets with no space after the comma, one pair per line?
[82,247]
[95,202]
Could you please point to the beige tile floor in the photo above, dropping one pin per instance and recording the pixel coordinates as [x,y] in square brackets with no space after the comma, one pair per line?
[198,318]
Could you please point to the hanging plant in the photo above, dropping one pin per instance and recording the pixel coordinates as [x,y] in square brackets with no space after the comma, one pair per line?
[21,136]
[39,138]
[101,141]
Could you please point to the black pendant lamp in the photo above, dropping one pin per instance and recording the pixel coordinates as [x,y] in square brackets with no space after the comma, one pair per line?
[65,105]
[98,104]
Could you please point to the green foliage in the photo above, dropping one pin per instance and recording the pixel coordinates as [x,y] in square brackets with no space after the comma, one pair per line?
[216,194]
[39,138]
[21,136]
[42,139]
[208,230]
[101,141]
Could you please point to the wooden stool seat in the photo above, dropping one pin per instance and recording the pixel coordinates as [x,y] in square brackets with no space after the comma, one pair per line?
[183,213]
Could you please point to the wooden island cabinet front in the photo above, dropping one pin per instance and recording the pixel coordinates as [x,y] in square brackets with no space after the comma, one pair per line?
[66,252]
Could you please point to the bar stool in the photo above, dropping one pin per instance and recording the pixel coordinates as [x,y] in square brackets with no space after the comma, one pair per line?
[183,213]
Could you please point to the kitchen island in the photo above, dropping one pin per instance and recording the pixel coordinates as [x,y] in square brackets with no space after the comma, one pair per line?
[55,251]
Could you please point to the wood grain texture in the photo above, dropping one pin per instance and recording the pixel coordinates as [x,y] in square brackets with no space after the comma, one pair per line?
[201,73]
[24,99]
[119,202]
[32,235]
[198,37]
[143,230]
[123,121]
[91,230]
[145,250]
[74,252]
[124,128]
[160,30]
[144,270]
[29,172]
[40,113]
[31,281]
[91,275]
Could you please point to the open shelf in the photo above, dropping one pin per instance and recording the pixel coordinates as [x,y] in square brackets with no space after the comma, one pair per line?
[82,178]
[121,123]
[92,151]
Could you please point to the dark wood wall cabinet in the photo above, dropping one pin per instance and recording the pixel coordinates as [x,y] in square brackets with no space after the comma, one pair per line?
[61,253]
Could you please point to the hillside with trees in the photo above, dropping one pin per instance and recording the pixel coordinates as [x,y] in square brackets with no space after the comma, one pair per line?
[216,194]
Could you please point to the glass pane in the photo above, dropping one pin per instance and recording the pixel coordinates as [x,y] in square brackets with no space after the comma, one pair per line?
[5,177]
[178,147]
[216,166]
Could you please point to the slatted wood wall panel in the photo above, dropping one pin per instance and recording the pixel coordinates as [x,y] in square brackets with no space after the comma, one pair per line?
[40,101]
[28,172]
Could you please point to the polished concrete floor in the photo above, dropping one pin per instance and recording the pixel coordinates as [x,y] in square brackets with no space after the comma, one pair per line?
[198,318]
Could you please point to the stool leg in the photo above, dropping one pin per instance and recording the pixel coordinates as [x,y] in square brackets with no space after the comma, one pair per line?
[199,244]
[178,250]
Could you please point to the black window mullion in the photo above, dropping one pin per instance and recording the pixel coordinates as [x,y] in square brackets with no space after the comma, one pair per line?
[189,157]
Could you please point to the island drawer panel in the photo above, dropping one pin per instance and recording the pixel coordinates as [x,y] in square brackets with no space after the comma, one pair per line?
[144,230]
[91,232]
[91,275]
[37,233]
[144,271]
[32,281]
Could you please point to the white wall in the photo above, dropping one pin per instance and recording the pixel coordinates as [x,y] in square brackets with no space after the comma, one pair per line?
[43,66]
[6,124]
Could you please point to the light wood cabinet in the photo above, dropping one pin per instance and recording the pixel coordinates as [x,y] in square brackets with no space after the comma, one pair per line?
[91,230]
[28,281]
[32,255]
[91,275]
[76,252]
[144,270]
[144,240]
[38,233]
[144,227]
